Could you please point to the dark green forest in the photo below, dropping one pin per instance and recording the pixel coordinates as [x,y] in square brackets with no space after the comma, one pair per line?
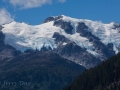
[37,71]
[106,76]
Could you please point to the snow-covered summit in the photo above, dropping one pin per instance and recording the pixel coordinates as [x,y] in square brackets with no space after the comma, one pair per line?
[107,33]
[23,36]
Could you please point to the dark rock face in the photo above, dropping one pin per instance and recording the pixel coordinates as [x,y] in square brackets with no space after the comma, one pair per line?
[117,26]
[60,38]
[74,52]
[1,27]
[83,30]
[46,49]
[52,19]
[49,19]
[104,51]
[110,46]
[2,37]
[64,25]
[77,54]
[60,23]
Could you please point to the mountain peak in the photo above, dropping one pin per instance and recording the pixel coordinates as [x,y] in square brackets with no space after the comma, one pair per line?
[58,24]
[93,37]
[64,25]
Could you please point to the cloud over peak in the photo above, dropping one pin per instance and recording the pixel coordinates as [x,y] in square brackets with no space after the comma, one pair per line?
[25,4]
[5,16]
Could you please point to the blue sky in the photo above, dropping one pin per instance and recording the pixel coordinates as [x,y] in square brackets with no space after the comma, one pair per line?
[36,12]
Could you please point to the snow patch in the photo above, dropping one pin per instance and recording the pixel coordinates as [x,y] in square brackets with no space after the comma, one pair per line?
[115,49]
[64,43]
[93,52]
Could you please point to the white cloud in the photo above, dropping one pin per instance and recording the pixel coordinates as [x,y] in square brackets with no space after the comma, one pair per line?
[24,4]
[5,17]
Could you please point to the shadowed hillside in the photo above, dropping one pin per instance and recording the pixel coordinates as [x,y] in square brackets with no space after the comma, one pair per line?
[42,70]
[106,76]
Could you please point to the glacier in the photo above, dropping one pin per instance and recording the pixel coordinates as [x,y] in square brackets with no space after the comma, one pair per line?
[23,36]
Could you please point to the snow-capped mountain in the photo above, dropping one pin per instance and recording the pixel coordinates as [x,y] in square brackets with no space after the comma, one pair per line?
[83,41]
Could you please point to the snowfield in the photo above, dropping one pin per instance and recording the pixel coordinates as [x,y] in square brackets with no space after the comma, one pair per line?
[23,36]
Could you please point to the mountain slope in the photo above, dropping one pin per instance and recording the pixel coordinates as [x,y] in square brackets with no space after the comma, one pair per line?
[106,76]
[6,50]
[73,52]
[98,41]
[43,70]
[33,69]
